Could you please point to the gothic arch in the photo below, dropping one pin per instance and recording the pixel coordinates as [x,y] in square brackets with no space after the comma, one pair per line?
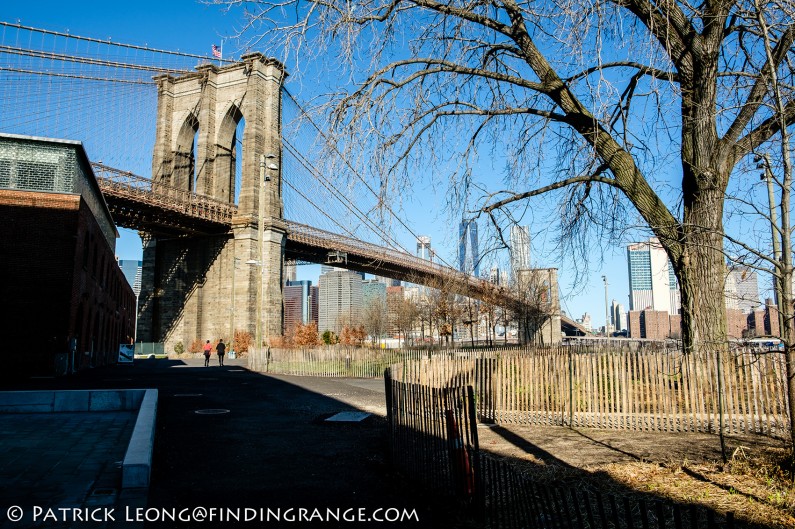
[184,174]
[228,147]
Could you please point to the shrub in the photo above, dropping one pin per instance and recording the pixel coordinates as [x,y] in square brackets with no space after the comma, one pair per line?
[329,338]
[243,341]
[179,348]
[196,346]
[306,335]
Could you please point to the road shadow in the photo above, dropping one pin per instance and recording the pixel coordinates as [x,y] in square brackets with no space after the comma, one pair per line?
[248,444]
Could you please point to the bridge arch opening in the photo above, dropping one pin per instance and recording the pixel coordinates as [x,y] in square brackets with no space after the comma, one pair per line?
[230,152]
[185,170]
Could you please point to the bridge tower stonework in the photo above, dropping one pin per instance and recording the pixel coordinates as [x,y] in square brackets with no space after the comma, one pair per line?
[206,287]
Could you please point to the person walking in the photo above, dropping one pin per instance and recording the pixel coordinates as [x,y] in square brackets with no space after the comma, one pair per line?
[207,350]
[221,350]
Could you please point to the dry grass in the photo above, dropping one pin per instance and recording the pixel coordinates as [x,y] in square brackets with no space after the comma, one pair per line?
[756,485]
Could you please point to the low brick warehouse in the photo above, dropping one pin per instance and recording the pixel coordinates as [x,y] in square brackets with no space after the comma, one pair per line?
[65,303]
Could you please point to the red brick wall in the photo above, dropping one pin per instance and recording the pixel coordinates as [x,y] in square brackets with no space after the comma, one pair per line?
[633,324]
[655,324]
[736,323]
[756,323]
[675,326]
[51,301]
[772,327]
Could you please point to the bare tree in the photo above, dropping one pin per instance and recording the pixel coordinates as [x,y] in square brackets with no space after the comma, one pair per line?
[771,199]
[537,306]
[616,84]
[374,319]
[406,315]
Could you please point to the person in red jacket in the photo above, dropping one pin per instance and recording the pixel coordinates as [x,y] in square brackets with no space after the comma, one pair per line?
[207,350]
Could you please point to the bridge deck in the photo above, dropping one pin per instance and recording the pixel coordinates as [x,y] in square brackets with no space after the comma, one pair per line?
[138,203]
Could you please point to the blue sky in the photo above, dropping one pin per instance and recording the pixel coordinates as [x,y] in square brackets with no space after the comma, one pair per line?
[193,27]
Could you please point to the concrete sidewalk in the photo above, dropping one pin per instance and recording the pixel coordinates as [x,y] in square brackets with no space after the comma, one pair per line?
[233,443]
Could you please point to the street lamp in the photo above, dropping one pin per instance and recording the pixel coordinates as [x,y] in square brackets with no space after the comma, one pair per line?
[262,261]
[763,162]
[607,309]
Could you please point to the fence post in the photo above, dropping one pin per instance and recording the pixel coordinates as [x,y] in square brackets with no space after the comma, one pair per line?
[571,390]
[479,496]
[719,372]
[389,415]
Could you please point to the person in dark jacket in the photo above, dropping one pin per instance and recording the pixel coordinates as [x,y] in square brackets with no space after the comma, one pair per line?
[221,350]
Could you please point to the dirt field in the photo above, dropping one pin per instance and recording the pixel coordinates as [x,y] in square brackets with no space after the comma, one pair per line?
[684,467]
[591,448]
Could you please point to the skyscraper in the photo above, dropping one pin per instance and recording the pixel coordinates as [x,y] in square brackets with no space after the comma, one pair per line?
[742,289]
[652,283]
[520,248]
[618,316]
[132,272]
[495,276]
[340,300]
[468,255]
[290,272]
[424,247]
[297,304]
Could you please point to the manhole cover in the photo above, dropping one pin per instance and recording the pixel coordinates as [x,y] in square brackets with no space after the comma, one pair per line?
[188,394]
[103,492]
[348,416]
[211,412]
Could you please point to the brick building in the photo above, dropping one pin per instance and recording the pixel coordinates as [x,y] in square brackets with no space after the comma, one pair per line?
[653,324]
[736,323]
[66,304]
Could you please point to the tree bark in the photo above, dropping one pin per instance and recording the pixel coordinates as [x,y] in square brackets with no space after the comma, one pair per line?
[701,270]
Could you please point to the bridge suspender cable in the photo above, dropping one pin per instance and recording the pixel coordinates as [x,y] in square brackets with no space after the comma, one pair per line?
[358,175]
[12,50]
[108,42]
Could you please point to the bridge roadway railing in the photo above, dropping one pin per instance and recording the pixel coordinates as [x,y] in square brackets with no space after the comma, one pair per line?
[129,186]
[142,192]
[422,268]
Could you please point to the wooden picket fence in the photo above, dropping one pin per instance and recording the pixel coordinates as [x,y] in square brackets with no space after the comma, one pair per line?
[433,435]
[634,388]
[356,362]
[744,391]
[434,443]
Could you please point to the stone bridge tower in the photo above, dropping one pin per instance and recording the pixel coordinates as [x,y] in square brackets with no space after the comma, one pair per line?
[205,287]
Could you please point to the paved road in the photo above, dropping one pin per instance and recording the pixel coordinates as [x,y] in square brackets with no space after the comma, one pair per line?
[264,444]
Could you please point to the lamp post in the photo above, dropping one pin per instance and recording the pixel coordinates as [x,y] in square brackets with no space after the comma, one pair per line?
[607,310]
[232,310]
[262,261]
[763,162]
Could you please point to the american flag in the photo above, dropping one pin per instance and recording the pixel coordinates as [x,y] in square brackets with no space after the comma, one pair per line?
[216,52]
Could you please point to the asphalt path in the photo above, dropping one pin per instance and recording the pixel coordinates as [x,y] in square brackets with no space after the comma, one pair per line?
[231,443]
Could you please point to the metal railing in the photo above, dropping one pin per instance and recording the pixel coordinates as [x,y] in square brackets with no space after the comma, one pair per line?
[129,186]
[138,190]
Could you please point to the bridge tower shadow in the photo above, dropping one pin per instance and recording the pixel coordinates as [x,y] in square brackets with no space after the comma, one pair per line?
[206,286]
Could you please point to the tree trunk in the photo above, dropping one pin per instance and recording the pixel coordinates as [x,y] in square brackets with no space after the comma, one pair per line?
[699,263]
[703,307]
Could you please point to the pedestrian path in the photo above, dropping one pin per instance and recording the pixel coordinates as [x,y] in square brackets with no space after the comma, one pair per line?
[230,442]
